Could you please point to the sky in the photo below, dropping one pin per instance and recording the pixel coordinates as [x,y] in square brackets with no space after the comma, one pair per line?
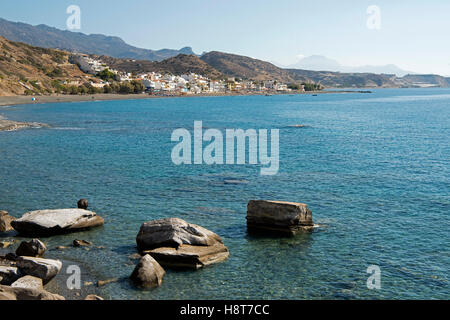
[412,34]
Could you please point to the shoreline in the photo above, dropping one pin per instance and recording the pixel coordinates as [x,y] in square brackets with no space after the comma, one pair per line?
[22,100]
[10,125]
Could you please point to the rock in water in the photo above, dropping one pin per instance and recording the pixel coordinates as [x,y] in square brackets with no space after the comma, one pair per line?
[81,243]
[51,222]
[93,297]
[102,283]
[278,217]
[33,248]
[82,204]
[173,232]
[8,274]
[148,273]
[190,257]
[5,221]
[44,269]
[15,293]
[175,243]
[28,282]
[5,244]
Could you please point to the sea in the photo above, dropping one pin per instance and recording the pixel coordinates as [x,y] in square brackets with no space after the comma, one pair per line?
[373,167]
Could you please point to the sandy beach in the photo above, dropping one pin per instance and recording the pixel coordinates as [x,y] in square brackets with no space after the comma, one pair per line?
[16,100]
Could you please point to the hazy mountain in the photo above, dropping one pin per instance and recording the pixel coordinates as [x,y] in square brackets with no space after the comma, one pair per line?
[316,63]
[321,63]
[49,37]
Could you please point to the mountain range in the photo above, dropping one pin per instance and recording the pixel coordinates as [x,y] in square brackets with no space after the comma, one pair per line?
[216,65]
[49,37]
[321,63]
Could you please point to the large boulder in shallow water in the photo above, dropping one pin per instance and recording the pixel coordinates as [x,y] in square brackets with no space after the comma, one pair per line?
[278,216]
[50,222]
[18,293]
[32,248]
[148,273]
[173,232]
[175,243]
[45,269]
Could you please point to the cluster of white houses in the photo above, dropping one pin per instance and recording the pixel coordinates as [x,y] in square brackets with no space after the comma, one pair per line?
[157,83]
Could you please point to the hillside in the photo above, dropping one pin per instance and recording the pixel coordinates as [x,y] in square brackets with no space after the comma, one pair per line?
[244,67]
[346,80]
[426,80]
[24,67]
[249,68]
[49,37]
[181,64]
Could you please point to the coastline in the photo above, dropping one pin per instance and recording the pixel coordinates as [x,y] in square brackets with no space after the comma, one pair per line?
[9,125]
[19,100]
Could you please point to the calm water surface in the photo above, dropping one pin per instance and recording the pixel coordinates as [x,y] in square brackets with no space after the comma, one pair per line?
[374,169]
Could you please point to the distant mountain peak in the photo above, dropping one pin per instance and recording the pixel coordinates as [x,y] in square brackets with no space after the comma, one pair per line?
[322,63]
[50,37]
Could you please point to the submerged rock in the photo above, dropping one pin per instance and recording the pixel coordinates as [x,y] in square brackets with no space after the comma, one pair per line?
[175,243]
[93,297]
[32,248]
[16,293]
[101,283]
[45,269]
[81,243]
[5,221]
[148,273]
[51,222]
[278,217]
[5,244]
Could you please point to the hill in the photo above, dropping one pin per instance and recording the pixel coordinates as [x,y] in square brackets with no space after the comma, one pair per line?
[426,80]
[248,68]
[234,65]
[180,64]
[346,80]
[49,37]
[27,68]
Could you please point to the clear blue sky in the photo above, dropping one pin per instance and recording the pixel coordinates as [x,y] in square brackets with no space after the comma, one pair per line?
[414,34]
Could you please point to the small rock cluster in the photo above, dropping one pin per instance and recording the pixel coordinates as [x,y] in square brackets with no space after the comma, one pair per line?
[169,243]
[24,274]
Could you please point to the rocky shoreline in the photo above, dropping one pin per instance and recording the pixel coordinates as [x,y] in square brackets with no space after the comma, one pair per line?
[166,243]
[9,125]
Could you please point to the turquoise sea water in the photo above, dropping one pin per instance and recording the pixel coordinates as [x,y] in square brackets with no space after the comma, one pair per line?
[373,168]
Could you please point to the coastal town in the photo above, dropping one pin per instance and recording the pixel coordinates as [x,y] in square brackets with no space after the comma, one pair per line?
[155,83]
